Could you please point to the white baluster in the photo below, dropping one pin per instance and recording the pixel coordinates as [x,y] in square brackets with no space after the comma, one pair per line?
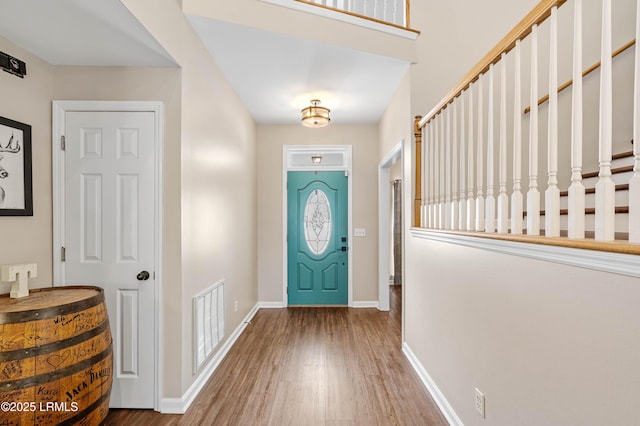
[480,160]
[432,174]
[516,195]
[552,194]
[443,172]
[436,174]
[423,177]
[394,14]
[429,168]
[490,202]
[634,184]
[462,208]
[533,195]
[455,224]
[471,202]
[605,188]
[427,131]
[384,11]
[576,189]
[503,198]
[447,149]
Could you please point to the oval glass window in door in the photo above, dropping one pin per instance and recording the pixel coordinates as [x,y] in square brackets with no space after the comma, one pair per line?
[317,221]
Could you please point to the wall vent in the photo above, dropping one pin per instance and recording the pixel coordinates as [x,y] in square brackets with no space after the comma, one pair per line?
[208,323]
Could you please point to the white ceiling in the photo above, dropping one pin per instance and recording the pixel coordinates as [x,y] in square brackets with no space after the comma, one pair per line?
[80,32]
[274,75]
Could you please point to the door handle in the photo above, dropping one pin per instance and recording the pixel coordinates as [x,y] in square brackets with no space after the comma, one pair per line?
[143,276]
[344,248]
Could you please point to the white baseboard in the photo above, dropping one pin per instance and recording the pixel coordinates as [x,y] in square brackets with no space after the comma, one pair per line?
[180,405]
[432,388]
[271,305]
[364,304]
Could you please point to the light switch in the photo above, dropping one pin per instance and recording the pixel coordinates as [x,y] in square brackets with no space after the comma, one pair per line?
[360,232]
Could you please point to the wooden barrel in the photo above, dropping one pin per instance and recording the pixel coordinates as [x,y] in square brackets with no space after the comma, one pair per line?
[56,361]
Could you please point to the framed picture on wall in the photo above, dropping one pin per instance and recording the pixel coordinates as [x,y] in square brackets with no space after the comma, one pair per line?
[16,195]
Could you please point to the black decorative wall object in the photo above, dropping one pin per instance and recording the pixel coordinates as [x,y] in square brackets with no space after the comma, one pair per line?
[16,192]
[13,65]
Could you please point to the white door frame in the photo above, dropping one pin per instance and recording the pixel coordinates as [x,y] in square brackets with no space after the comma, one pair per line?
[298,158]
[384,223]
[60,108]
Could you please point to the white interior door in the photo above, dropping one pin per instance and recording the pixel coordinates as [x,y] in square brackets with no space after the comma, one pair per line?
[109,235]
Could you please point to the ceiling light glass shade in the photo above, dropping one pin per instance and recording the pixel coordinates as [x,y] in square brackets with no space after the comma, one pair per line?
[315,115]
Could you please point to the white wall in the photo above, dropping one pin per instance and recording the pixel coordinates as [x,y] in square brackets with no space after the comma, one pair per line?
[218,183]
[547,344]
[209,175]
[146,84]
[455,35]
[364,139]
[27,239]
[396,126]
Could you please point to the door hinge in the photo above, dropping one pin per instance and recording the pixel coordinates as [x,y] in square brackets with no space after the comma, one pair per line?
[63,254]
[63,143]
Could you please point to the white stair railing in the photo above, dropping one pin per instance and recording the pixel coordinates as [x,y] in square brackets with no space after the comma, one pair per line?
[470,140]
[503,198]
[605,188]
[449,172]
[576,189]
[443,173]
[462,208]
[389,11]
[516,195]
[634,184]
[552,194]
[480,206]
[533,195]
[431,161]
[471,202]
[490,201]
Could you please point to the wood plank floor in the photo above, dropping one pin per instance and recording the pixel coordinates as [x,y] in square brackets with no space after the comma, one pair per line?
[310,366]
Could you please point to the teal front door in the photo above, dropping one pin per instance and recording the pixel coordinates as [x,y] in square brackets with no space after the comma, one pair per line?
[317,238]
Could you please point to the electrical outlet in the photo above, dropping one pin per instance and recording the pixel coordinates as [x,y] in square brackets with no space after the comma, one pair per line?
[235,306]
[480,402]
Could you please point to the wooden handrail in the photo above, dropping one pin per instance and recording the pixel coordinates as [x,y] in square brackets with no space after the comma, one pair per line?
[538,15]
[357,15]
[407,14]
[586,72]
[623,247]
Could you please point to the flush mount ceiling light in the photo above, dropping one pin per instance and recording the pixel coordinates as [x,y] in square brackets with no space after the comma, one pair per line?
[315,115]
